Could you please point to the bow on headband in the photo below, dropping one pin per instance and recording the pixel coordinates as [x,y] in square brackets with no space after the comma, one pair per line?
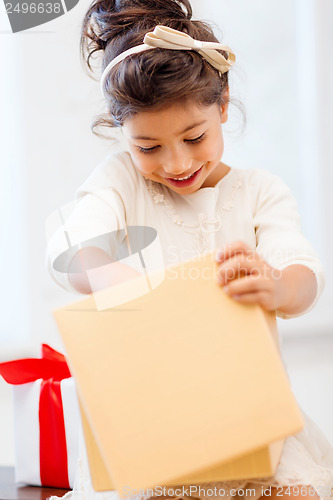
[164,37]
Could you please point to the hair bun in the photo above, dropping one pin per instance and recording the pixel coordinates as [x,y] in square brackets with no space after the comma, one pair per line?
[179,9]
[106,20]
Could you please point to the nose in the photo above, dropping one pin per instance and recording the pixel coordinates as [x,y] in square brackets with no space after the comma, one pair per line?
[177,162]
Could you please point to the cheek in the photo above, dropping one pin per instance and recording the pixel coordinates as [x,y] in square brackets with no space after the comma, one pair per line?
[212,149]
[143,163]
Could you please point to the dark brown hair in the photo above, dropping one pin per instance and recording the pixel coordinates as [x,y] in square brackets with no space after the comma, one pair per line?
[155,78]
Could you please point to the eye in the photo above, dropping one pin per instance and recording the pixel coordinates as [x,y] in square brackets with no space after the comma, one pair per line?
[196,140]
[147,150]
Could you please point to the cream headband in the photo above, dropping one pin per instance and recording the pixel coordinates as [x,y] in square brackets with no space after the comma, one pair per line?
[168,38]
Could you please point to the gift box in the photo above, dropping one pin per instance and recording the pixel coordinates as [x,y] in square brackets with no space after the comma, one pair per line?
[182,385]
[47,418]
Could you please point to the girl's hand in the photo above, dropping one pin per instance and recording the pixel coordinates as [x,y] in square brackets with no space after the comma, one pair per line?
[248,278]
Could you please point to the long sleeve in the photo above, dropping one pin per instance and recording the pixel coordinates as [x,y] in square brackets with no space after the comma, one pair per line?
[97,218]
[278,229]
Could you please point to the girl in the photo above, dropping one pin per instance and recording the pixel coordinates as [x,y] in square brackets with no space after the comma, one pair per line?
[165,80]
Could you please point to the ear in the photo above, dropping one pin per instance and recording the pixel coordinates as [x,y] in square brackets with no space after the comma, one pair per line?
[225,107]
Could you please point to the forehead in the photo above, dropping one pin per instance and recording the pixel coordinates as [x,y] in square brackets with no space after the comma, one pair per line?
[174,119]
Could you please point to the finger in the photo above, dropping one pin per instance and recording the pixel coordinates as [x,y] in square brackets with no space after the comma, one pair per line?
[251,298]
[235,267]
[232,249]
[248,284]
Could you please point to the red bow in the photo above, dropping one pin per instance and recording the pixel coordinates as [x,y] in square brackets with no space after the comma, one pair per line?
[51,368]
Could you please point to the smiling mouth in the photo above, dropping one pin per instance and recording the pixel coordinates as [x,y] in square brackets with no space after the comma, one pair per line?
[182,178]
[184,181]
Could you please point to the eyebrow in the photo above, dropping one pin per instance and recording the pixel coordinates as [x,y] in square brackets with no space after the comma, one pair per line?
[144,138]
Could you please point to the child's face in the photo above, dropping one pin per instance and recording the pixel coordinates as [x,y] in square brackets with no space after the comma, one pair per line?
[176,142]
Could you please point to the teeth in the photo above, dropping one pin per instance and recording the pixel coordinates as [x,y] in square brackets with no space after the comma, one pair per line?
[183,178]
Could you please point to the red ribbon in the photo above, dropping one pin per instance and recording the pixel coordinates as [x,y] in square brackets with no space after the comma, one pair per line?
[52,368]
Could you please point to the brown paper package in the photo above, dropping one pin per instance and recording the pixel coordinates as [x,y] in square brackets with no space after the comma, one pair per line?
[182,385]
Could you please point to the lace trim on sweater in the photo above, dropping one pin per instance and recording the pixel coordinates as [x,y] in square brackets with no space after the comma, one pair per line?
[203,227]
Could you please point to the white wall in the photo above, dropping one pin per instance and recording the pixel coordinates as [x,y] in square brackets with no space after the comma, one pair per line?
[57,101]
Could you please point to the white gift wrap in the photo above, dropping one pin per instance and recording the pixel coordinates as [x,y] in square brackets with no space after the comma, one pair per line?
[26,426]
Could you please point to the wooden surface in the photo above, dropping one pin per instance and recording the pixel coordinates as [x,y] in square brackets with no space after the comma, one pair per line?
[9,490]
